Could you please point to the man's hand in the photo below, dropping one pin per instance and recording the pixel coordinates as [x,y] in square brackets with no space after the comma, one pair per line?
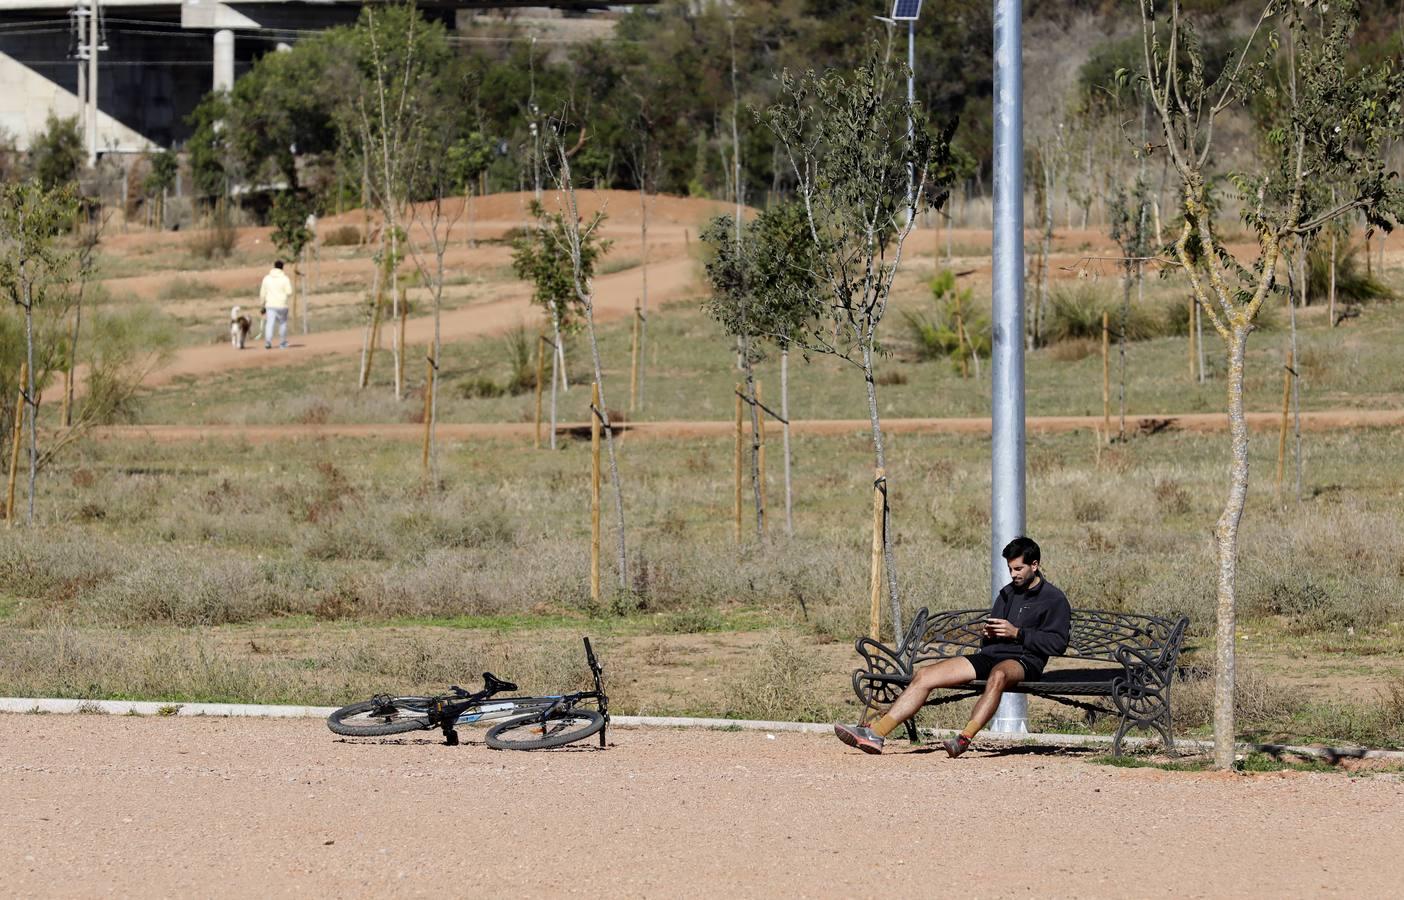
[1000,628]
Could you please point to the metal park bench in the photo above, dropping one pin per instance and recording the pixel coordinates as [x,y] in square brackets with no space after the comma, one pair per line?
[1142,652]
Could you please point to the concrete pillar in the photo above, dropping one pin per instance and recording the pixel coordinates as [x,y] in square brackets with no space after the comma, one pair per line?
[224,60]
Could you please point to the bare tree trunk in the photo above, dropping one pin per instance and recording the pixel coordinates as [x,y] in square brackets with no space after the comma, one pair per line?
[1199,343]
[31,401]
[1043,255]
[72,360]
[1087,180]
[557,365]
[880,459]
[395,302]
[1121,350]
[1331,288]
[367,340]
[438,357]
[758,495]
[785,414]
[1226,538]
[643,299]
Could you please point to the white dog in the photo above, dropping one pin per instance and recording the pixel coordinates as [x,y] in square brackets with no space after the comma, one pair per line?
[239,326]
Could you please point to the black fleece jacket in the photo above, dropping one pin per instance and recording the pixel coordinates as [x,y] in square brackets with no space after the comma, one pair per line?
[1044,620]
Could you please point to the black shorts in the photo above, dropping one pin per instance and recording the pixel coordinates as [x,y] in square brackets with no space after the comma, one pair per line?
[984,664]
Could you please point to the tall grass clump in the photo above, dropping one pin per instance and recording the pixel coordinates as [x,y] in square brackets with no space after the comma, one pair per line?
[1353,283]
[955,329]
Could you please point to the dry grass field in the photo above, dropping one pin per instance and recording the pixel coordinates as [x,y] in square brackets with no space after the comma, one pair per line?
[315,570]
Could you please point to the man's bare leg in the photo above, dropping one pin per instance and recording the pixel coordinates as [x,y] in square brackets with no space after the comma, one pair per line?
[1002,677]
[946,673]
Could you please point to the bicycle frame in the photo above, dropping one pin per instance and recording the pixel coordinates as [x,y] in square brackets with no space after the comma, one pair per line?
[461,708]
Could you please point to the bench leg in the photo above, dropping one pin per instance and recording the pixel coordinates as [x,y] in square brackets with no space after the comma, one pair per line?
[1121,730]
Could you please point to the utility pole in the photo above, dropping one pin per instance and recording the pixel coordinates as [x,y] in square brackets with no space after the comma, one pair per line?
[91,114]
[1007,363]
[79,31]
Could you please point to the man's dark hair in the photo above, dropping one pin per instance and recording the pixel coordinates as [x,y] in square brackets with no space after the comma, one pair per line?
[1022,548]
[277,263]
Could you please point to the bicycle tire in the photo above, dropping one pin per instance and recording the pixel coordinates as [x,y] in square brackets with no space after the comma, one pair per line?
[376,723]
[561,727]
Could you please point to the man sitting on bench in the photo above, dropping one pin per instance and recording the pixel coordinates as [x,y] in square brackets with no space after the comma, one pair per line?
[1029,622]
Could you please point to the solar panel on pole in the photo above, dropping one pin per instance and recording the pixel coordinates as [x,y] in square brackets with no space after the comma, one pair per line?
[906,10]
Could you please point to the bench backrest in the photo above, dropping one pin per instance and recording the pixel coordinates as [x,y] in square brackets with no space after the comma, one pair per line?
[1095,634]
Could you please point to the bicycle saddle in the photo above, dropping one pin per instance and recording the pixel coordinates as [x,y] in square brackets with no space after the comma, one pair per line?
[493,685]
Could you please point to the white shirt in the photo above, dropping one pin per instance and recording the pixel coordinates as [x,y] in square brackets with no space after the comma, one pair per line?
[276,290]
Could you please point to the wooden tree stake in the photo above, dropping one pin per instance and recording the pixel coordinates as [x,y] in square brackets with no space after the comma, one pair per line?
[875,580]
[760,455]
[737,466]
[429,388]
[1106,374]
[1282,434]
[595,493]
[540,375]
[634,361]
[15,441]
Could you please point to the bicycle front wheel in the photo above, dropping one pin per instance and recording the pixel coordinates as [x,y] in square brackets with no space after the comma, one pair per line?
[377,718]
[561,727]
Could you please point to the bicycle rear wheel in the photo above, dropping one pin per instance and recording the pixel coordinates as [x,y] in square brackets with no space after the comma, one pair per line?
[561,727]
[382,716]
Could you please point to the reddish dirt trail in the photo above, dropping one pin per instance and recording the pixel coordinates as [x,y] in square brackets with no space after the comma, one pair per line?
[614,299]
[1325,420]
[222,808]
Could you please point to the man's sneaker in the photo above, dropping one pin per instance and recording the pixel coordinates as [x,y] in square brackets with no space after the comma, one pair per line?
[268,345]
[864,739]
[956,745]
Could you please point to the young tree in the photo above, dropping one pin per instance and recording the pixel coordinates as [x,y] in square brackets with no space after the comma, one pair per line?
[1332,128]
[165,169]
[391,115]
[89,235]
[850,149]
[543,257]
[437,221]
[766,288]
[32,269]
[581,244]
[465,162]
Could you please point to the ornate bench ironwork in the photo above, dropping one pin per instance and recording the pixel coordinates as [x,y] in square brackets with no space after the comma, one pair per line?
[1143,649]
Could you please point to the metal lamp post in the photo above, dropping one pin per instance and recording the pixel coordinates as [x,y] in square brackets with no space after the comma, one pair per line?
[1007,362]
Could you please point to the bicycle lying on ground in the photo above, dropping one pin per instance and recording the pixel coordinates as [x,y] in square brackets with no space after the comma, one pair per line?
[531,723]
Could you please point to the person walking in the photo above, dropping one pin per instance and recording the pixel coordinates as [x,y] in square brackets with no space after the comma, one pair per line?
[274,294]
[1029,622]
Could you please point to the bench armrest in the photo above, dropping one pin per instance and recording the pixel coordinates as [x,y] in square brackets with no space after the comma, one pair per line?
[883,675]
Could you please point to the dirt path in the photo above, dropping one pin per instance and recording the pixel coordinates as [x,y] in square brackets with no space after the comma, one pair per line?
[222,807]
[614,299]
[1324,420]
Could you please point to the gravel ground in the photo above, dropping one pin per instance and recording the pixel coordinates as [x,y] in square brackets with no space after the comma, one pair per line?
[125,806]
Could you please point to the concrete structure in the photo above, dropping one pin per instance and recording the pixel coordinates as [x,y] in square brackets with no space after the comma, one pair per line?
[158,58]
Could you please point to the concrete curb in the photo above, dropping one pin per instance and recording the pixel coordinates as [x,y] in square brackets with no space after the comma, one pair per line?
[156,708]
